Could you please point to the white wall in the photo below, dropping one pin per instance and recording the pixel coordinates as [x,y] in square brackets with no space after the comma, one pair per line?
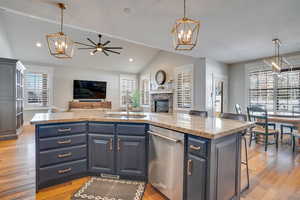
[5,47]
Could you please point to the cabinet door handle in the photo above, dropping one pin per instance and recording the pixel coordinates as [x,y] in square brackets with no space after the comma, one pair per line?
[65,142]
[111,144]
[64,155]
[62,171]
[190,166]
[119,147]
[196,148]
[63,130]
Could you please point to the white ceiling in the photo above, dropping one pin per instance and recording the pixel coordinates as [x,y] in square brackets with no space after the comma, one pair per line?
[24,32]
[231,30]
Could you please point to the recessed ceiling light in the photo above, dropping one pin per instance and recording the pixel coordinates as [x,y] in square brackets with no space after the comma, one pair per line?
[130,59]
[38,44]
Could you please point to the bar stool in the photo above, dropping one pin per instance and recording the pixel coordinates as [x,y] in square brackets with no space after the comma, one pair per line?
[295,136]
[240,117]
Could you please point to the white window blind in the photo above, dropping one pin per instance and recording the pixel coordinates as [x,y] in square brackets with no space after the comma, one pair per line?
[127,86]
[184,81]
[145,92]
[36,89]
[261,90]
[288,91]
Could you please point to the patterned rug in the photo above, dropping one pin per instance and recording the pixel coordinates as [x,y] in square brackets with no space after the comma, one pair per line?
[109,189]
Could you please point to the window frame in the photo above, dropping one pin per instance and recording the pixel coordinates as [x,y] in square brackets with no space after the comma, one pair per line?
[126,77]
[44,70]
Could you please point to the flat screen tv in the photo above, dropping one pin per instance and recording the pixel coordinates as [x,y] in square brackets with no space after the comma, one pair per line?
[89,89]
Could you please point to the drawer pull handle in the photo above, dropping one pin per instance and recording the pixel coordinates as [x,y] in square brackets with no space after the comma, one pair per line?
[63,130]
[196,148]
[111,144]
[62,171]
[64,155]
[64,142]
[190,166]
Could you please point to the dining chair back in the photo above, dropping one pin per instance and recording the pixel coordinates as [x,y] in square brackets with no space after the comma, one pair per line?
[238,109]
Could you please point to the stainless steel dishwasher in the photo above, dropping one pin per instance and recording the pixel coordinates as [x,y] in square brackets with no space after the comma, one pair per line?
[166,160]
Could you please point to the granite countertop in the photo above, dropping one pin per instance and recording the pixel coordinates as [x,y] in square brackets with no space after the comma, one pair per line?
[210,127]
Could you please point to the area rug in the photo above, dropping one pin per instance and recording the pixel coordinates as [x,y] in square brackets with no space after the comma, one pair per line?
[110,189]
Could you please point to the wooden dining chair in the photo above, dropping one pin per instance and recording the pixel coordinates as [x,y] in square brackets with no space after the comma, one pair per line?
[241,117]
[198,113]
[294,137]
[260,117]
[291,128]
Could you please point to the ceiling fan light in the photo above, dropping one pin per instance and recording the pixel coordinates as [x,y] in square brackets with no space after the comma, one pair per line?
[60,45]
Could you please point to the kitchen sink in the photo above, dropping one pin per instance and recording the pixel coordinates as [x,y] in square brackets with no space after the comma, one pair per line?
[125,115]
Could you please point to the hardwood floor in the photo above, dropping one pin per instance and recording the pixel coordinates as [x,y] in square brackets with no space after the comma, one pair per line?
[273,175]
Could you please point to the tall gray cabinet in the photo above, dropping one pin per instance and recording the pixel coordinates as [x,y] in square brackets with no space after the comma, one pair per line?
[11,98]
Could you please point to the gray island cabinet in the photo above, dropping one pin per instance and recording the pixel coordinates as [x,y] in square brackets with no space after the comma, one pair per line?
[114,148]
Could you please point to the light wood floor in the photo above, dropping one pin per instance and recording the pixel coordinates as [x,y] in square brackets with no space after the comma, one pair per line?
[273,175]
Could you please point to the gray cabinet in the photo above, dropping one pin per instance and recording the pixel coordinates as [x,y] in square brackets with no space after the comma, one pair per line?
[131,155]
[101,153]
[196,177]
[11,98]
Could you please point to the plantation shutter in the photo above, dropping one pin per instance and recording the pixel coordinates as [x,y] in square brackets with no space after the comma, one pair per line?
[184,89]
[36,89]
[288,91]
[145,92]
[127,86]
[261,89]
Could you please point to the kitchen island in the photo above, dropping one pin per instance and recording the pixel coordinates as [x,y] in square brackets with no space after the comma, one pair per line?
[75,144]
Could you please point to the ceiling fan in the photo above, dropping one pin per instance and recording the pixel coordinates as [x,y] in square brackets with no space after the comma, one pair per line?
[98,47]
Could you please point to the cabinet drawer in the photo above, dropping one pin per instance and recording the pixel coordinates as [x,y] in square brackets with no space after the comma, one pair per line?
[62,155]
[61,129]
[64,141]
[197,147]
[131,129]
[101,128]
[61,170]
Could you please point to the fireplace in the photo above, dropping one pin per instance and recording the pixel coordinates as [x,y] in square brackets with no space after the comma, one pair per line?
[162,102]
[161,105]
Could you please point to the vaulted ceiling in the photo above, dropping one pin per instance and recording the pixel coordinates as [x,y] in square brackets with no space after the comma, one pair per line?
[231,30]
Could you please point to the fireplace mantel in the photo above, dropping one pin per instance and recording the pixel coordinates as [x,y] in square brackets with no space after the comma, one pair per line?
[161,92]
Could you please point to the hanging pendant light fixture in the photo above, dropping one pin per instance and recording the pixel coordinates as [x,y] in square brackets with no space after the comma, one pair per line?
[277,62]
[59,44]
[185,32]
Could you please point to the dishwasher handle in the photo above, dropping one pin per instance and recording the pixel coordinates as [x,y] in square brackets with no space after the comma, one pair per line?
[164,137]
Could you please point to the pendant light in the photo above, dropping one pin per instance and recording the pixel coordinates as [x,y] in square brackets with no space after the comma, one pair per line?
[185,32]
[59,44]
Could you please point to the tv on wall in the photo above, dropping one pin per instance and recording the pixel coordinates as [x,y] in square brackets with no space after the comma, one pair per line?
[89,89]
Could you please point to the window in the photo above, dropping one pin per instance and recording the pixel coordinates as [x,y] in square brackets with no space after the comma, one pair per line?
[288,91]
[261,91]
[275,93]
[127,87]
[184,84]
[37,89]
[145,84]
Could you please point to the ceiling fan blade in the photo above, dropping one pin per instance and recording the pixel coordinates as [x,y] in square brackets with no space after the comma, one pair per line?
[112,51]
[106,43]
[91,41]
[105,53]
[113,47]
[84,44]
[87,48]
